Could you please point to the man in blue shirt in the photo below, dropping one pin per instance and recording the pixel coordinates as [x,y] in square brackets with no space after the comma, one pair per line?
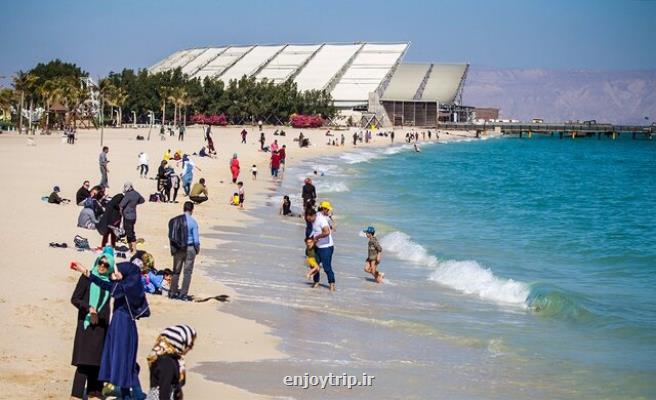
[185,245]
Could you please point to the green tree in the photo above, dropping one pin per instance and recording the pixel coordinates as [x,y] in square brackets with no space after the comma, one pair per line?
[24,83]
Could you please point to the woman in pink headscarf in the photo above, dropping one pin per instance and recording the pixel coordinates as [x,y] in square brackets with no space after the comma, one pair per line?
[234,168]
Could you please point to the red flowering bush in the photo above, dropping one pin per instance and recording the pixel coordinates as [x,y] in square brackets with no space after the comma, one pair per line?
[213,119]
[305,121]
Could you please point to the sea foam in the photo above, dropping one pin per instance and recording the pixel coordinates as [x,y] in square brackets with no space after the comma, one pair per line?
[467,276]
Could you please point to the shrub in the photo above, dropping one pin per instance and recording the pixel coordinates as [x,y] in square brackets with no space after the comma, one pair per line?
[305,121]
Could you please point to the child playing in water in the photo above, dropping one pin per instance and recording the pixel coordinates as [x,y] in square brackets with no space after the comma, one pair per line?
[311,258]
[254,171]
[373,256]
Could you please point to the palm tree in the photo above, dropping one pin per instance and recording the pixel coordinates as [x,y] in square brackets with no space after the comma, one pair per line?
[105,90]
[119,98]
[164,93]
[24,84]
[180,99]
[50,92]
[7,97]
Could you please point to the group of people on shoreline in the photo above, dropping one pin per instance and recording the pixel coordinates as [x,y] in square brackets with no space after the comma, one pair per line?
[319,242]
[110,296]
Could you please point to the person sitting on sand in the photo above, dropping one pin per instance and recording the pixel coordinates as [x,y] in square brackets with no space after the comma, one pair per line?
[156,282]
[82,194]
[234,199]
[374,252]
[87,218]
[311,258]
[286,207]
[198,193]
[167,368]
[54,197]
[204,153]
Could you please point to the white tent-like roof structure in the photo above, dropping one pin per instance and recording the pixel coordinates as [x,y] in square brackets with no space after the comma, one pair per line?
[349,71]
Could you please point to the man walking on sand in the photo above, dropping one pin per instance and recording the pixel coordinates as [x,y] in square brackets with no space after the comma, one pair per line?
[103,161]
[185,245]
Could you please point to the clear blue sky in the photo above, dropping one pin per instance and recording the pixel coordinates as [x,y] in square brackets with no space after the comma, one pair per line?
[108,35]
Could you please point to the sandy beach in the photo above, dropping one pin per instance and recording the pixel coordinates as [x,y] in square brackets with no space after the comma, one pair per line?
[38,336]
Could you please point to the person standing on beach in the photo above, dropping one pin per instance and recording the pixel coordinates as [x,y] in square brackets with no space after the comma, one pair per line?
[118,364]
[283,156]
[262,141]
[181,133]
[322,235]
[275,163]
[110,221]
[131,199]
[234,168]
[161,133]
[309,194]
[185,245]
[92,303]
[244,132]
[187,173]
[104,170]
[143,164]
[167,368]
[355,139]
[392,136]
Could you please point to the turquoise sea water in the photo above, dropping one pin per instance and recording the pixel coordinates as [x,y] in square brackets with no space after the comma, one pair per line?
[514,268]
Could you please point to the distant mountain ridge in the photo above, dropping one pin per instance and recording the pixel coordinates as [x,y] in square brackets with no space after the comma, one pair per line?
[624,97]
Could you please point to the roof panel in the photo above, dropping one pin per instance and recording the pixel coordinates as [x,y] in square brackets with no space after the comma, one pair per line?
[288,60]
[367,71]
[162,65]
[406,81]
[208,55]
[215,67]
[249,64]
[443,83]
[186,58]
[325,64]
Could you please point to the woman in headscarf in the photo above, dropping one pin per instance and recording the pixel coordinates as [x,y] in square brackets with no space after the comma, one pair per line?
[234,168]
[187,173]
[118,364]
[110,221]
[92,303]
[167,368]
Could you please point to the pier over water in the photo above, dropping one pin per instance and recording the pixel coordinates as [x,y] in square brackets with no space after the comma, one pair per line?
[571,130]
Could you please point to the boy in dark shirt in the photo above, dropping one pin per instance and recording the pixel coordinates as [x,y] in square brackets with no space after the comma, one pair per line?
[374,252]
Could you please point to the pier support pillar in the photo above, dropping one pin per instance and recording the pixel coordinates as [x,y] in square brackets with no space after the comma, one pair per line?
[560,134]
[633,135]
[598,135]
[614,135]
[530,134]
[573,134]
[520,134]
[552,133]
